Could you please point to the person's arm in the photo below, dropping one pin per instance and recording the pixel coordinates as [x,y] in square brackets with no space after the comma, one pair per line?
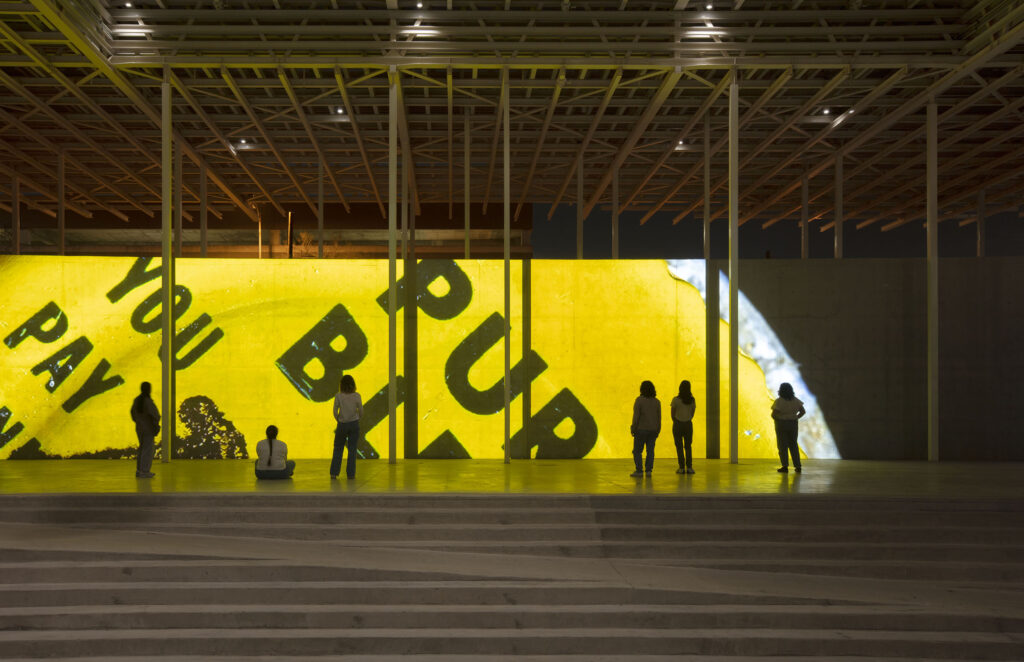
[800,414]
[773,411]
[636,417]
[673,409]
[359,405]
[657,407]
[337,408]
[153,412]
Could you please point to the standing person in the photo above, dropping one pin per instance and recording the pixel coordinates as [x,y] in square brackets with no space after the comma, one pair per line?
[348,409]
[682,409]
[645,428]
[786,411]
[272,457]
[147,425]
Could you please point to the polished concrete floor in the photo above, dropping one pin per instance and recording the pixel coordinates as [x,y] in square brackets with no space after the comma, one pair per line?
[712,477]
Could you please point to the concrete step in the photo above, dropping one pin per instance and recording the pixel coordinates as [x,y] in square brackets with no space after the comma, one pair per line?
[476,657]
[468,641]
[645,616]
[805,533]
[365,592]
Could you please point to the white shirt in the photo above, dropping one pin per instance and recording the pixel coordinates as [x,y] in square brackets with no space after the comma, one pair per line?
[681,411]
[348,407]
[277,459]
[787,410]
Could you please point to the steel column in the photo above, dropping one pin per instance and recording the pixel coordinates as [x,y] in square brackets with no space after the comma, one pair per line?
[319,209]
[932,224]
[16,215]
[178,199]
[615,213]
[712,347]
[579,209]
[837,229]
[166,273]
[507,187]
[981,223]
[392,263]
[465,181]
[61,206]
[203,209]
[805,231]
[734,271]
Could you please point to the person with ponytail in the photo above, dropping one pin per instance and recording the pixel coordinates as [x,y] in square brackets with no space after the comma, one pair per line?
[682,409]
[786,411]
[272,457]
[645,428]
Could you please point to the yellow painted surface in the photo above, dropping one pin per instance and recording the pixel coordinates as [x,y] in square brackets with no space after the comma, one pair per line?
[599,326]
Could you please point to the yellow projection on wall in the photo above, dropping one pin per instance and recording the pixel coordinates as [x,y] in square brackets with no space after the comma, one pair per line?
[265,341]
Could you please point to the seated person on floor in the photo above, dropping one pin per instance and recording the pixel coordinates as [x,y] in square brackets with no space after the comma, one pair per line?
[272,454]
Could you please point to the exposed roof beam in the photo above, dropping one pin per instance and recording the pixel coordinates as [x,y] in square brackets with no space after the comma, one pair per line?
[301,115]
[998,47]
[559,83]
[502,100]
[244,103]
[406,142]
[354,123]
[451,141]
[598,114]
[42,190]
[667,85]
[56,18]
[687,128]
[751,114]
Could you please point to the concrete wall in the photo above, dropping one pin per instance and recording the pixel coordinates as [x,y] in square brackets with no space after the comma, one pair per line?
[857,328]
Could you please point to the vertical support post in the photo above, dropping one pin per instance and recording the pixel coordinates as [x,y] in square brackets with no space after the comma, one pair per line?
[981,223]
[734,270]
[615,212]
[527,396]
[319,210]
[203,209]
[507,241]
[712,350]
[403,175]
[579,209]
[392,263]
[465,181]
[178,204]
[932,215]
[167,273]
[16,215]
[61,207]
[805,231]
[838,190]
[410,366]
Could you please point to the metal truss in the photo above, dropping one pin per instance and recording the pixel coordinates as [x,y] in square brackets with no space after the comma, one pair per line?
[269,94]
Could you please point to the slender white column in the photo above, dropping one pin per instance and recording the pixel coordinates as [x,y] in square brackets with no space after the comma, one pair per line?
[805,231]
[507,187]
[393,265]
[838,190]
[712,350]
[615,212]
[981,223]
[167,273]
[734,271]
[178,200]
[61,206]
[465,181]
[203,209]
[932,223]
[319,210]
[579,209]
[16,215]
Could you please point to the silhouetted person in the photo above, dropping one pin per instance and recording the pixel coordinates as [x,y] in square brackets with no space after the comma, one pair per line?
[348,409]
[272,457]
[645,428]
[786,411]
[682,409]
[147,426]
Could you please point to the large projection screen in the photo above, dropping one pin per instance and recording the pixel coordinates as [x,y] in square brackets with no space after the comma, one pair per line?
[265,342]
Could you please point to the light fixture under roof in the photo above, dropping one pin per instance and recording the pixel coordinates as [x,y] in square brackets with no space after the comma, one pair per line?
[242,141]
[340,110]
[825,111]
[709,6]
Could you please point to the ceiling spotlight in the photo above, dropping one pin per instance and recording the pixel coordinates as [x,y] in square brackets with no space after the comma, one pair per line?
[825,111]
[127,5]
[242,141]
[340,111]
[682,142]
[851,111]
[419,5]
[709,6]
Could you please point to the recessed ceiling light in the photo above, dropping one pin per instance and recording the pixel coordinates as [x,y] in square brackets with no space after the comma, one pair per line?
[709,6]
[242,141]
[341,111]
[419,5]
[851,111]
[825,112]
